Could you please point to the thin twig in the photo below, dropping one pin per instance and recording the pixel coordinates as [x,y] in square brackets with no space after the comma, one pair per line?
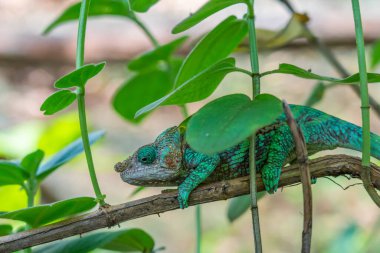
[343,188]
[302,159]
[331,58]
[335,165]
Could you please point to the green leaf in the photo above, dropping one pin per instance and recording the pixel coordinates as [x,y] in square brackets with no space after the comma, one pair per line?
[12,174]
[294,29]
[43,214]
[215,46]
[239,205]
[204,12]
[316,94]
[58,101]
[32,161]
[229,120]
[375,54]
[97,8]
[139,91]
[5,229]
[196,88]
[142,5]
[131,240]
[79,77]
[65,155]
[285,68]
[151,58]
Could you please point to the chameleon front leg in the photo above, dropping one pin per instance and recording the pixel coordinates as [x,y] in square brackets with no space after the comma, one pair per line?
[203,166]
[279,149]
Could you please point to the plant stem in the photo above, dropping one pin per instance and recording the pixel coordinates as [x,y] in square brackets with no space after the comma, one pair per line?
[198,219]
[366,148]
[30,189]
[254,58]
[140,24]
[255,91]
[146,31]
[81,100]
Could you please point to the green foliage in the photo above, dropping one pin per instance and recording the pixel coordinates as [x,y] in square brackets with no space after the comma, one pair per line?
[375,54]
[214,47]
[130,240]
[196,88]
[229,120]
[58,101]
[156,70]
[80,76]
[43,214]
[204,12]
[65,155]
[12,174]
[239,205]
[316,95]
[97,8]
[153,57]
[139,91]
[32,161]
[101,8]
[5,229]
[290,69]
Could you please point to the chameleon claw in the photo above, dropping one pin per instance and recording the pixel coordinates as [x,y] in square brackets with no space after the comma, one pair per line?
[182,199]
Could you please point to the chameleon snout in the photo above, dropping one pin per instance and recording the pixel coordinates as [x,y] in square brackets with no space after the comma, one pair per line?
[121,166]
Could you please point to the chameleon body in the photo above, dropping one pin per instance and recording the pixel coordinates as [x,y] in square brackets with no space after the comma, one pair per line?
[170,161]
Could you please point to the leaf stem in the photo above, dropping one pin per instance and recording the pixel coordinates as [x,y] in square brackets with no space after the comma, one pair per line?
[146,31]
[255,91]
[81,100]
[366,148]
[133,16]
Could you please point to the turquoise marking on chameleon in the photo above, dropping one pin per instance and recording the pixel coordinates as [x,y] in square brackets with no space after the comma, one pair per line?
[175,163]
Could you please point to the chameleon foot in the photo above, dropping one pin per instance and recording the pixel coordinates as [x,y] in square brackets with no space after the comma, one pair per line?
[183,196]
[270,177]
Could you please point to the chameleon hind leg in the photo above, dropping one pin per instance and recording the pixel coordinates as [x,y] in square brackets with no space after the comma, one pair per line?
[203,166]
[278,151]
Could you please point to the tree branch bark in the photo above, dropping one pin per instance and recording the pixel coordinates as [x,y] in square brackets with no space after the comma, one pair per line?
[325,166]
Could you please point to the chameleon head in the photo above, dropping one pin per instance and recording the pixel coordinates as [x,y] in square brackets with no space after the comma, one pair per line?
[156,164]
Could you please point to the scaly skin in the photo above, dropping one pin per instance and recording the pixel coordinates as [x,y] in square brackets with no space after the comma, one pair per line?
[170,161]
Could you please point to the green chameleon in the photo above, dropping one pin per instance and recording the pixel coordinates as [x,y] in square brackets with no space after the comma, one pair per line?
[170,161]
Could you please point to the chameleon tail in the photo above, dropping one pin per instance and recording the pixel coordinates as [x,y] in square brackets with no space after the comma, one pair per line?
[375,146]
[349,136]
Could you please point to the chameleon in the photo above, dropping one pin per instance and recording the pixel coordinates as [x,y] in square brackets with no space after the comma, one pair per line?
[170,161]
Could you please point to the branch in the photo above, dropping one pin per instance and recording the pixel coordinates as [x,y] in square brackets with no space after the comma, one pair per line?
[324,166]
[302,158]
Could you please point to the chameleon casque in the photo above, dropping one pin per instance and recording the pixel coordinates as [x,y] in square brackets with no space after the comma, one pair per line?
[170,161]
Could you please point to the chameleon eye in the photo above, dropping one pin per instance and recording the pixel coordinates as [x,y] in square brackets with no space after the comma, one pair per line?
[146,155]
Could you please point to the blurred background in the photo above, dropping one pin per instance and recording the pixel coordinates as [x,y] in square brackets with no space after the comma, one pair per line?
[344,220]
